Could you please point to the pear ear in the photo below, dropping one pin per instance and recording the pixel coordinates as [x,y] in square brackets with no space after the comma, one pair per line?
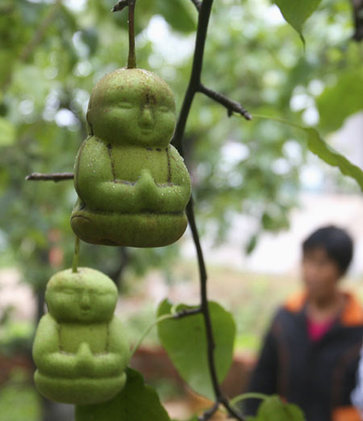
[89,125]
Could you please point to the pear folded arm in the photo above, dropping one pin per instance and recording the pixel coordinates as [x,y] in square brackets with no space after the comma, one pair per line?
[163,198]
[116,358]
[174,196]
[94,181]
[52,360]
[48,356]
[97,188]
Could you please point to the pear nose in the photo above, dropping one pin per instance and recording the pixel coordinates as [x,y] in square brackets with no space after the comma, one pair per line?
[146,117]
[85,301]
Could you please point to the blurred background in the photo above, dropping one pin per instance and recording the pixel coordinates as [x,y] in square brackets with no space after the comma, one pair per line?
[257,190]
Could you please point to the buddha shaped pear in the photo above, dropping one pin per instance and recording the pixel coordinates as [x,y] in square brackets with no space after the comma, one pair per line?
[80,348]
[132,185]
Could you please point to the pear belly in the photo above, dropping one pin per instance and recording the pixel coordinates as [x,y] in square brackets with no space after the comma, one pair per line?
[128,230]
[81,391]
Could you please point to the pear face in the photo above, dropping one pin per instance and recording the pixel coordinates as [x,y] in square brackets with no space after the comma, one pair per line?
[132,107]
[87,296]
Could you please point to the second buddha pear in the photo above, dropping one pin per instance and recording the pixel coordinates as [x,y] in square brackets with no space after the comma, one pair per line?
[80,347]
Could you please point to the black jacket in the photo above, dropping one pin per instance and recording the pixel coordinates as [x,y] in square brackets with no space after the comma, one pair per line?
[317,376]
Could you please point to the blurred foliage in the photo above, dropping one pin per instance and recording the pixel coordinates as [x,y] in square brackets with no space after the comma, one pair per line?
[18,400]
[335,105]
[15,337]
[51,54]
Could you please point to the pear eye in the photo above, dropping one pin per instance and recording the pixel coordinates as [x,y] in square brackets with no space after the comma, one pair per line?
[125,105]
[164,108]
[103,293]
[68,291]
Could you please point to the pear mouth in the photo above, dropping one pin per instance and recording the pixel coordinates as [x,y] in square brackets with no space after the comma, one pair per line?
[146,130]
[85,311]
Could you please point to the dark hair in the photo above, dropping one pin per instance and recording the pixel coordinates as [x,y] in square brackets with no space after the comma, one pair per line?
[337,243]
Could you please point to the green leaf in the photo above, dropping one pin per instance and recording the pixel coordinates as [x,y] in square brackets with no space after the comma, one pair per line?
[339,101]
[296,12]
[178,13]
[251,245]
[186,344]
[329,155]
[136,402]
[7,132]
[273,409]
[324,151]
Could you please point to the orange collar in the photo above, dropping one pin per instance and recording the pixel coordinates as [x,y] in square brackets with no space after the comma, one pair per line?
[352,314]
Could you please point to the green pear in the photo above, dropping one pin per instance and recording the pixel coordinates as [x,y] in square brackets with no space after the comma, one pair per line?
[80,347]
[132,185]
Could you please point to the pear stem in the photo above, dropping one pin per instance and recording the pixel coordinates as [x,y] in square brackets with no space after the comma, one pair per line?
[132,55]
[76,255]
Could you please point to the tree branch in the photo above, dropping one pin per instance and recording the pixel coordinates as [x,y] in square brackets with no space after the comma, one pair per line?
[194,82]
[197,4]
[131,64]
[204,300]
[209,413]
[232,106]
[193,87]
[120,6]
[358,19]
[36,176]
[187,312]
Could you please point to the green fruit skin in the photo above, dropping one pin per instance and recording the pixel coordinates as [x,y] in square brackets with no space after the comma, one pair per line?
[133,186]
[80,348]
[144,230]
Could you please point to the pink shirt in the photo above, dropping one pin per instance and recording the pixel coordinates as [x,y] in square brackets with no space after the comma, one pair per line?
[316,330]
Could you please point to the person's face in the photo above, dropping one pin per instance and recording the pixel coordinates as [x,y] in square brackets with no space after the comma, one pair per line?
[320,274]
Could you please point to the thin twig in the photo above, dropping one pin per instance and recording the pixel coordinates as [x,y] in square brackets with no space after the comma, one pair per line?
[358,19]
[76,255]
[204,300]
[235,414]
[197,4]
[209,413]
[179,315]
[194,82]
[187,312]
[41,31]
[232,106]
[120,6]
[193,87]
[36,176]
[131,64]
